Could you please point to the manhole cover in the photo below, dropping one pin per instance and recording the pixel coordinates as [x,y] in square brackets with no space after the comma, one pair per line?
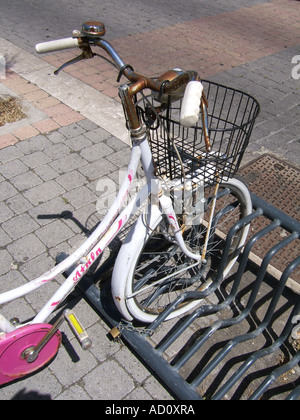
[278,183]
[10,110]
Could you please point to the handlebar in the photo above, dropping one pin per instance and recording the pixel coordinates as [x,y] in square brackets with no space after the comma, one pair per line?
[164,85]
[170,80]
[59,44]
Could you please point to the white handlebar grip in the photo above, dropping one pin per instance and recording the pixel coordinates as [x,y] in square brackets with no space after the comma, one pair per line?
[190,108]
[59,44]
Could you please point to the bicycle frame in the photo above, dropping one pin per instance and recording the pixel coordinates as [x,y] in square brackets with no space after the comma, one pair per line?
[114,221]
[109,228]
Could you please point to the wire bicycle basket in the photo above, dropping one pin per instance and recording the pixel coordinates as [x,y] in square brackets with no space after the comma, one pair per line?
[180,152]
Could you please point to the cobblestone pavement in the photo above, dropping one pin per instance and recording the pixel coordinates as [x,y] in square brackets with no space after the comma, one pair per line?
[51,162]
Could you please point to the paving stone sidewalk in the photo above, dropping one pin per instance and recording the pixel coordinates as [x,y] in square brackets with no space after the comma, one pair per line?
[52,165]
[42,177]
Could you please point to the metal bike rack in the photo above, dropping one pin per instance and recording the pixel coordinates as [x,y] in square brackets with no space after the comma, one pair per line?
[243,341]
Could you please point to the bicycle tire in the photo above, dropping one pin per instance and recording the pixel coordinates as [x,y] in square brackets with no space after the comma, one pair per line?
[156,256]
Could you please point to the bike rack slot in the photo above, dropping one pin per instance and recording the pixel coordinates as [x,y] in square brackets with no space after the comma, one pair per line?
[237,344]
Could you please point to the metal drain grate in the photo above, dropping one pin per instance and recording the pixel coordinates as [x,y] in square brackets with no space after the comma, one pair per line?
[278,183]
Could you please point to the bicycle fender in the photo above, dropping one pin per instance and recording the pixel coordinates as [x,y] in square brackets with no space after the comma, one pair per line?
[132,245]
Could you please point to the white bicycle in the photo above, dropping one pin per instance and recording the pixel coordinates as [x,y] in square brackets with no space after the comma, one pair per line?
[184,211]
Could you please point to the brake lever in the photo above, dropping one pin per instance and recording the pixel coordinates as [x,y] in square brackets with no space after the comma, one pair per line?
[86,54]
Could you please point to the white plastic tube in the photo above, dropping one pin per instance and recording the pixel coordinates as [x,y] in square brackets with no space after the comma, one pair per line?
[57,45]
[190,108]
[5,325]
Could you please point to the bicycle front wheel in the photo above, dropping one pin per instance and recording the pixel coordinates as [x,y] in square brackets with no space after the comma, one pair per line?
[160,271]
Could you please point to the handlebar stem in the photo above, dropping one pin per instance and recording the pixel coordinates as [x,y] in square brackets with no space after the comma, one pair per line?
[129,108]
